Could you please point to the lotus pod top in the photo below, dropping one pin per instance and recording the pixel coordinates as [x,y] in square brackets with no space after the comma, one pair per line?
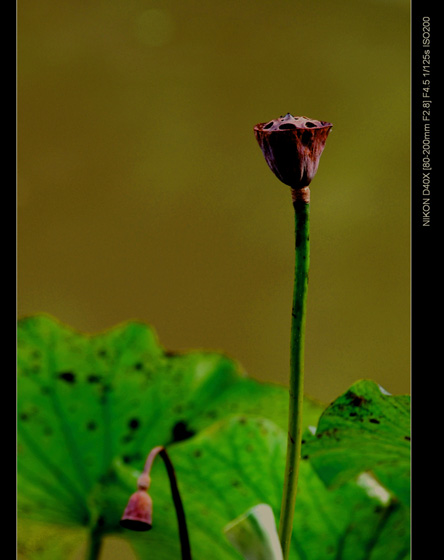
[292,147]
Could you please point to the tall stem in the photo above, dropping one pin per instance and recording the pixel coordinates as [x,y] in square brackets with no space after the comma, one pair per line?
[301,203]
[180,513]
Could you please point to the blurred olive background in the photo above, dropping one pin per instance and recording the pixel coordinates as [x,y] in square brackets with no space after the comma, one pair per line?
[142,193]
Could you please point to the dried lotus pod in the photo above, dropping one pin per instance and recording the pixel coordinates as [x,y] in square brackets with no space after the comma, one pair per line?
[292,147]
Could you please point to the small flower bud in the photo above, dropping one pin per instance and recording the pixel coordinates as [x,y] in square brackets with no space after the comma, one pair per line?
[292,147]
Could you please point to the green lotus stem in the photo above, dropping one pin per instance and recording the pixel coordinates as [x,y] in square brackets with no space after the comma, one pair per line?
[292,147]
[301,203]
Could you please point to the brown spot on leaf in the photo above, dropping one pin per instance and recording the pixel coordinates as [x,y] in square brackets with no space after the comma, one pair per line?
[181,431]
[356,400]
[134,423]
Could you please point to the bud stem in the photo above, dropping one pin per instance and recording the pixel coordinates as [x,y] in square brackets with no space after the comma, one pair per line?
[180,513]
[301,198]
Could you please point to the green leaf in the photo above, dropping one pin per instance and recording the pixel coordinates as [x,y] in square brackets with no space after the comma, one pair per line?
[254,534]
[365,429]
[90,408]
[233,466]
[85,400]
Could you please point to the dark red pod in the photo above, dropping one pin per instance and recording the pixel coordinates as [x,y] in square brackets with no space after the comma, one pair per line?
[138,514]
[292,147]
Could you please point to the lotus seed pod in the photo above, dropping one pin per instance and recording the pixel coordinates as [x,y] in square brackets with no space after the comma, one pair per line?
[292,147]
[138,514]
